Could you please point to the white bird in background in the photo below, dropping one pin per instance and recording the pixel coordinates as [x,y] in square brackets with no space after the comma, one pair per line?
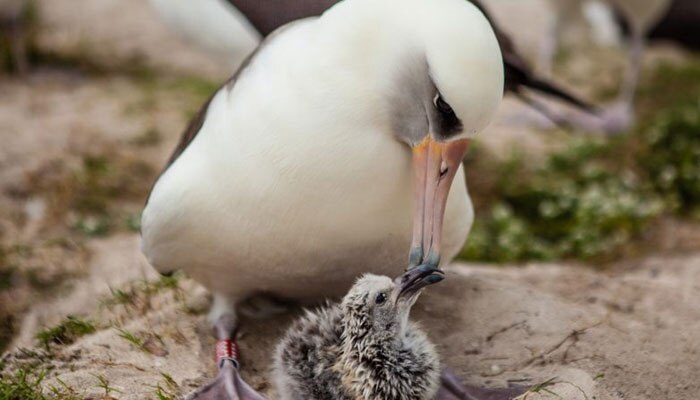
[266,16]
[214,25]
[641,17]
[566,18]
[304,171]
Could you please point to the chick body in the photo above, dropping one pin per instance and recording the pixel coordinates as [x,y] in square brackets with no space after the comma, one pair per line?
[342,352]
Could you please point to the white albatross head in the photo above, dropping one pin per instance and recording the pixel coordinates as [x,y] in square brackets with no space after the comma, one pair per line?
[437,71]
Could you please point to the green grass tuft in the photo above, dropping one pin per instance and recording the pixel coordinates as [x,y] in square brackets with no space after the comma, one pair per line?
[167,390]
[151,343]
[132,338]
[139,295]
[22,385]
[541,388]
[103,383]
[671,157]
[28,384]
[66,332]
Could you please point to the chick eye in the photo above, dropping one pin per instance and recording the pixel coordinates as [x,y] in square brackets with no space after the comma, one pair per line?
[381,298]
[442,105]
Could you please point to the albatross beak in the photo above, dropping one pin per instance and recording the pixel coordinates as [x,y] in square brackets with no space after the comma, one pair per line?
[435,165]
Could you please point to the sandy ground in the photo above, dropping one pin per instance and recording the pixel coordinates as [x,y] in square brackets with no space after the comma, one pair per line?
[624,335]
[627,333]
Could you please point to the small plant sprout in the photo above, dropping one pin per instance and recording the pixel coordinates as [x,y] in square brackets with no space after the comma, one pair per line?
[542,388]
[103,384]
[166,390]
[66,332]
[132,338]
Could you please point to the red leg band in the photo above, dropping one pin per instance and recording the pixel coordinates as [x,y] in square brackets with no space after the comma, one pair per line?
[226,350]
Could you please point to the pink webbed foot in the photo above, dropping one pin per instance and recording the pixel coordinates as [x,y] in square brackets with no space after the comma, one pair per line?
[453,389]
[228,385]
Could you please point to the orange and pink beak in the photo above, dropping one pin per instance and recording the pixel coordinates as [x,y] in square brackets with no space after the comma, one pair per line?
[435,165]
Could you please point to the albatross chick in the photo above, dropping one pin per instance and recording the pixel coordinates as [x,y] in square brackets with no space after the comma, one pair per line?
[363,348]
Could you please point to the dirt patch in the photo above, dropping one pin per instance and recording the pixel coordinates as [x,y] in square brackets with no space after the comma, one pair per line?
[598,335]
[77,165]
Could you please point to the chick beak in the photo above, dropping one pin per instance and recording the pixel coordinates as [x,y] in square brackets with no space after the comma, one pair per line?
[410,283]
[435,165]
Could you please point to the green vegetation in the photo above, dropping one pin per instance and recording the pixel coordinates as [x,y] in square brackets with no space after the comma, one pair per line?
[103,383]
[96,191]
[195,86]
[594,197]
[669,87]
[28,384]
[138,296]
[133,222]
[22,385]
[542,388]
[572,207]
[29,272]
[167,390]
[671,156]
[66,332]
[97,196]
[132,338]
[163,394]
[146,342]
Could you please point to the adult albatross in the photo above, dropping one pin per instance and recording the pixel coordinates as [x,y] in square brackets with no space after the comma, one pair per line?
[305,169]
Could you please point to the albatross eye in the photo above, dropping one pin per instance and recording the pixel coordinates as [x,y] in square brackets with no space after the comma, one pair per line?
[442,105]
[381,298]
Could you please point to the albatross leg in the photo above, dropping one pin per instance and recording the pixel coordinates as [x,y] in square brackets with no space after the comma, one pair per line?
[228,385]
[453,389]
[620,116]
[617,117]
[631,80]
[550,46]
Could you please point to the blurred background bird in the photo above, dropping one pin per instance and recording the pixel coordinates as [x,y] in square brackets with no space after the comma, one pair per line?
[641,21]
[266,16]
